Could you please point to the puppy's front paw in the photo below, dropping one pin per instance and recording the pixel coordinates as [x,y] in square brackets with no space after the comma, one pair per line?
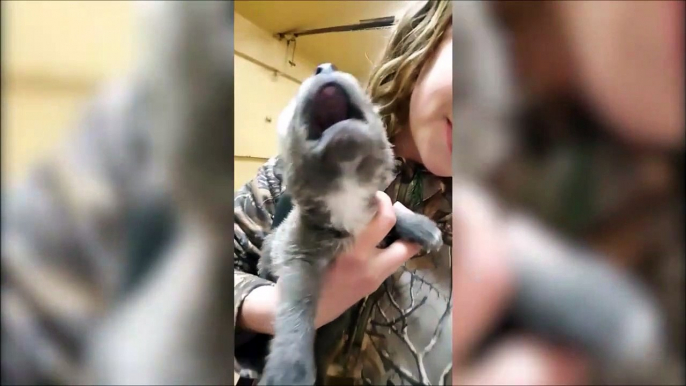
[430,236]
[419,229]
[292,369]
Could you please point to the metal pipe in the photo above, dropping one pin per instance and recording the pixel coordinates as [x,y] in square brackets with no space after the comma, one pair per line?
[381,22]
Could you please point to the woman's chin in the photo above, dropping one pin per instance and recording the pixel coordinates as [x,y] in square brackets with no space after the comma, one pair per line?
[440,167]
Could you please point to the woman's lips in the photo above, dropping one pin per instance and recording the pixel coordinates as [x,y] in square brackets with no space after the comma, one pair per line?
[449,134]
[676,26]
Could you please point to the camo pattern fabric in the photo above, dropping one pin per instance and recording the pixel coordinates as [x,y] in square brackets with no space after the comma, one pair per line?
[401,334]
[625,202]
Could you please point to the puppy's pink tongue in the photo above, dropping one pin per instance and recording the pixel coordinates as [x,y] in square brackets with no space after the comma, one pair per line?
[331,106]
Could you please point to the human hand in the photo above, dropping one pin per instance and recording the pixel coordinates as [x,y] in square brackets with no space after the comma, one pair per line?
[350,277]
[359,272]
[482,285]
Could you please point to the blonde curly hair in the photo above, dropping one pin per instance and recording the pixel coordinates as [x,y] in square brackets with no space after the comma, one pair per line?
[412,43]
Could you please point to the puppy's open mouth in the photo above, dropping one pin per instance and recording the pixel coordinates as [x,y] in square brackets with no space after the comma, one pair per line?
[329,106]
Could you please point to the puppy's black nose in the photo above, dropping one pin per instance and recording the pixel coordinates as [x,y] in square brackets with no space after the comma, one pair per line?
[325,68]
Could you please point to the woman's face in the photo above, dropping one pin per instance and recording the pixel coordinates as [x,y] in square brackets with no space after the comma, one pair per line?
[630,58]
[431,110]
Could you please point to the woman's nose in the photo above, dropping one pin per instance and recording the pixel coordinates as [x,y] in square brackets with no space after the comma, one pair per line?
[325,68]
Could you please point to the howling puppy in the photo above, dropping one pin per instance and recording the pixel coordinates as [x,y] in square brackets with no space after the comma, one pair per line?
[338,156]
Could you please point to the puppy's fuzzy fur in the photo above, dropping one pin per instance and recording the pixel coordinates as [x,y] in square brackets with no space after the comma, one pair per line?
[337,156]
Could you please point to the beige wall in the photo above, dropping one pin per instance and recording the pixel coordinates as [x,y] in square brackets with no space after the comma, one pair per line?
[264,83]
[57,53]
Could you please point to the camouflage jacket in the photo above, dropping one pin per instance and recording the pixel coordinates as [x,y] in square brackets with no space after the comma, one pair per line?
[401,334]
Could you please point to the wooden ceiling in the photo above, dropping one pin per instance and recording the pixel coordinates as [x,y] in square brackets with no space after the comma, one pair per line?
[353,52]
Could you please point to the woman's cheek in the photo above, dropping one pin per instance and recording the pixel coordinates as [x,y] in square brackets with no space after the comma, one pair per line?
[437,156]
[627,68]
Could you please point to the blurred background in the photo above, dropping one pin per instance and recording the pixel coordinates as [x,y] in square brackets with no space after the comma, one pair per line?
[55,54]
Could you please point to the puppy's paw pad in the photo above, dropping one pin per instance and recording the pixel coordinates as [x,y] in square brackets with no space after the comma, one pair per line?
[423,231]
[435,240]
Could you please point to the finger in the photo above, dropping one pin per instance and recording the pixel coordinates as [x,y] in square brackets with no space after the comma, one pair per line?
[526,361]
[378,228]
[398,206]
[390,259]
[481,279]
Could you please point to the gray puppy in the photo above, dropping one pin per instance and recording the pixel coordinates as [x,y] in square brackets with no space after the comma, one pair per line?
[338,156]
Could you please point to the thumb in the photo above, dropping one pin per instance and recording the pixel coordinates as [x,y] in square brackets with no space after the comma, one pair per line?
[388,260]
